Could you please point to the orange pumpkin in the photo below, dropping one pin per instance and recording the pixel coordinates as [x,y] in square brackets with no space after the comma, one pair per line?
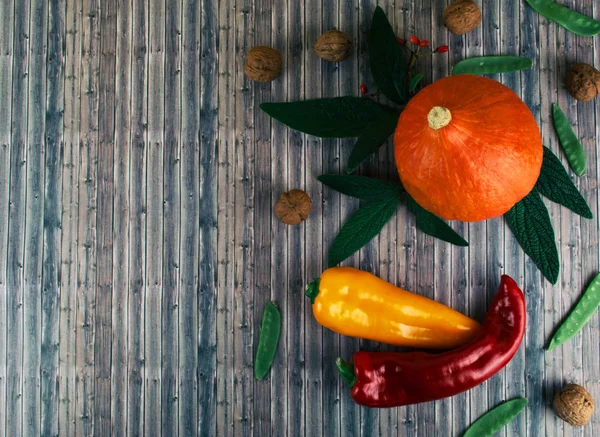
[467,148]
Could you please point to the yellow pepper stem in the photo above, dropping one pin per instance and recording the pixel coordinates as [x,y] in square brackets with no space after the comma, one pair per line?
[346,371]
[312,290]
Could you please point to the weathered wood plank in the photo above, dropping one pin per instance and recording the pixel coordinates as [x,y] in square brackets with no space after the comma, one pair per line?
[154,218]
[322,383]
[34,218]
[296,166]
[243,251]
[137,219]
[188,310]
[104,218]
[549,82]
[278,268]
[171,219]
[534,284]
[69,223]
[588,132]
[121,229]
[87,238]
[226,220]
[52,217]
[207,337]
[7,16]
[513,254]
[263,214]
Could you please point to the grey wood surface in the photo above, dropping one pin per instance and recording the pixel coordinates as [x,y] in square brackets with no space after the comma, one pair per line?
[138,242]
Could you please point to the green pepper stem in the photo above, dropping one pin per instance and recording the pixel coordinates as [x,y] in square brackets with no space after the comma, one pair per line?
[312,290]
[346,371]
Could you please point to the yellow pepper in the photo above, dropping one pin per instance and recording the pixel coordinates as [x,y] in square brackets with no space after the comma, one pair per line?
[358,304]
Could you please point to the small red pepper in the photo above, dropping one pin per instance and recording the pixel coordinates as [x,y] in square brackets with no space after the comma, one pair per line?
[442,49]
[393,379]
[401,41]
[424,43]
[363,88]
[414,40]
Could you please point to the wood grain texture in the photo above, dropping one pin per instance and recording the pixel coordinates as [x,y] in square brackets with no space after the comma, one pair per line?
[121,228]
[7,16]
[154,218]
[138,241]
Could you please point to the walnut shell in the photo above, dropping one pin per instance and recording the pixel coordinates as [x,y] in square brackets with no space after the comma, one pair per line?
[583,82]
[462,16]
[293,207]
[574,405]
[263,64]
[334,46]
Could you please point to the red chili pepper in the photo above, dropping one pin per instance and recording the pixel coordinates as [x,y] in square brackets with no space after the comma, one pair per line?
[424,43]
[414,40]
[442,49]
[391,379]
[363,88]
[401,41]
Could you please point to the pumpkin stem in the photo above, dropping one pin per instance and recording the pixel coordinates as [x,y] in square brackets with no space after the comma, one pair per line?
[439,117]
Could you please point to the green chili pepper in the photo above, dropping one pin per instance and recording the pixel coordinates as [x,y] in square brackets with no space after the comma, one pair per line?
[496,419]
[491,65]
[267,344]
[569,19]
[579,316]
[568,140]
[415,81]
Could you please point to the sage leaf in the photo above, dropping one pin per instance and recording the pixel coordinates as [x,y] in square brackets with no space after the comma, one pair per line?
[530,223]
[372,138]
[361,228]
[432,224]
[491,65]
[338,117]
[555,184]
[362,187]
[386,59]
[496,419]
[415,81]
[579,316]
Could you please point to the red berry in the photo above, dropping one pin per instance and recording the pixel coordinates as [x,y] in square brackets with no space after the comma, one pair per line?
[442,49]
[401,41]
[363,88]
[424,43]
[414,40]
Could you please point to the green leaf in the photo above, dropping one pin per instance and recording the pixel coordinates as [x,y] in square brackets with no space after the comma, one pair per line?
[372,138]
[362,187]
[568,141]
[555,184]
[361,228]
[415,81]
[491,65]
[496,419]
[386,59]
[339,117]
[432,224]
[530,222]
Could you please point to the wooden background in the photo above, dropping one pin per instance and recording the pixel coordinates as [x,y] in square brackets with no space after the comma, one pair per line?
[139,245]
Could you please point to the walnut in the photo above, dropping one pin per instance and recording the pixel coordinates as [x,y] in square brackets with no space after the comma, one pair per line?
[462,16]
[334,46]
[574,405]
[263,64]
[583,82]
[293,207]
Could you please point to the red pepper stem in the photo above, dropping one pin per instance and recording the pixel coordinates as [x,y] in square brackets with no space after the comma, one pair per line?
[346,371]
[312,290]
